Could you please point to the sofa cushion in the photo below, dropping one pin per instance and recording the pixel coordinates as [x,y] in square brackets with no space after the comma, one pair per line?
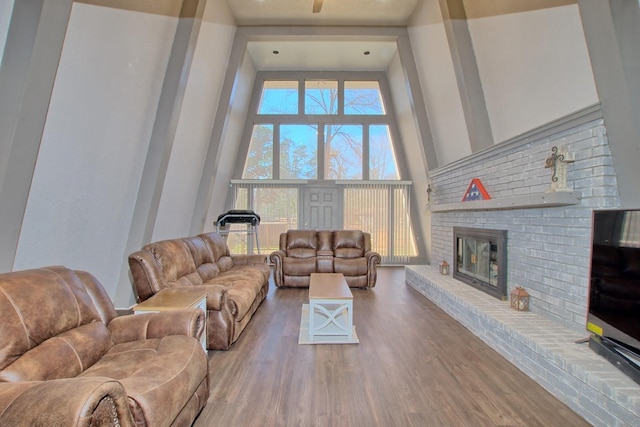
[298,266]
[64,356]
[26,324]
[176,262]
[208,271]
[225,263]
[243,283]
[200,251]
[217,245]
[160,375]
[350,266]
[348,244]
[302,243]
[203,258]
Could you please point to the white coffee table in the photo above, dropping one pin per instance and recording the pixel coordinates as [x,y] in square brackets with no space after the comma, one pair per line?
[330,306]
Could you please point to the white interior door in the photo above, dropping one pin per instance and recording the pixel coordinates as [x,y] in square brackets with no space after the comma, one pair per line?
[321,208]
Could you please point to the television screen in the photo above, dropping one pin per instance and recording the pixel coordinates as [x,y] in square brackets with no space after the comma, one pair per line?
[614,289]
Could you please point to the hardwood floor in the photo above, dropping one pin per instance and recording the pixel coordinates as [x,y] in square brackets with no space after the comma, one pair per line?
[414,366]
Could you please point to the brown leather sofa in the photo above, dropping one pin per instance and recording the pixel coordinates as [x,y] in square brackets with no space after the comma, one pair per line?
[235,284]
[303,252]
[66,359]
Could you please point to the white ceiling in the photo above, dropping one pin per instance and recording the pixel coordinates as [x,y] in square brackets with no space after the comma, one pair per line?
[334,12]
[322,52]
[321,55]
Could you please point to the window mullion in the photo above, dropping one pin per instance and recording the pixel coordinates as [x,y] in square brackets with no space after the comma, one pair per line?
[341,97]
[365,152]
[301,96]
[276,151]
[320,156]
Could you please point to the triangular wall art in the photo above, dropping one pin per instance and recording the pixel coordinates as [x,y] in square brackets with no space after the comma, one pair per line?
[475,191]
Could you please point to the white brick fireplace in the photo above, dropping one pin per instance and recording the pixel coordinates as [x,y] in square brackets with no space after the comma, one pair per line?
[548,227]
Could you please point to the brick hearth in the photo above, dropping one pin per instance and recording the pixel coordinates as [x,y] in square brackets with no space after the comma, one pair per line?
[544,350]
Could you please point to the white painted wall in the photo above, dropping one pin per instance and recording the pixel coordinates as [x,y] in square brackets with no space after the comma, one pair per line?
[199,108]
[231,136]
[411,144]
[6,8]
[95,141]
[534,67]
[438,82]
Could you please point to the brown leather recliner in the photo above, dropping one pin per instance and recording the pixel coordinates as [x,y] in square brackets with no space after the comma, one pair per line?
[66,359]
[303,252]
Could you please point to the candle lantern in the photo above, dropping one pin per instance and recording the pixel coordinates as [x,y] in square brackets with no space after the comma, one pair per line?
[444,268]
[520,299]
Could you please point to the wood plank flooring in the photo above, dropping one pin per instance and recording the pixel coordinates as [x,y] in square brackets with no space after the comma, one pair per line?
[414,366]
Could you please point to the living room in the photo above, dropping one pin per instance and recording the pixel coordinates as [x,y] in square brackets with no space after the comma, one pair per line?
[124,123]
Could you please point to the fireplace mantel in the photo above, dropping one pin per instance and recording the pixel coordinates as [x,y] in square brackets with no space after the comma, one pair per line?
[550,199]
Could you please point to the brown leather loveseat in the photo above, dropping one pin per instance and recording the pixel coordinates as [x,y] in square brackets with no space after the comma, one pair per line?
[303,252]
[235,284]
[66,359]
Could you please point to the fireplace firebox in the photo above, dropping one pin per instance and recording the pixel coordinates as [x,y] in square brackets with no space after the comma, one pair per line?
[481,259]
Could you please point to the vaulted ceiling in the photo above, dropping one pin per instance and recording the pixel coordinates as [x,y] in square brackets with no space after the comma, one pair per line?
[324,50]
[333,12]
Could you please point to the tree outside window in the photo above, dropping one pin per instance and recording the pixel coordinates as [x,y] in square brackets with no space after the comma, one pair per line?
[333,129]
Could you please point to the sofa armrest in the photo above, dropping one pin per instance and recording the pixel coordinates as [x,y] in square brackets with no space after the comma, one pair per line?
[135,327]
[277,259]
[373,259]
[80,401]
[324,261]
[146,275]
[277,256]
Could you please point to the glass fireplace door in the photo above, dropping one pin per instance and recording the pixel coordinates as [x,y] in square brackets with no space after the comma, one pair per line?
[481,259]
[474,258]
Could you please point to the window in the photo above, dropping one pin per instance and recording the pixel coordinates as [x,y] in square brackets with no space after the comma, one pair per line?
[343,150]
[382,163]
[259,162]
[279,97]
[362,97]
[298,151]
[343,133]
[278,209]
[321,97]
[326,130]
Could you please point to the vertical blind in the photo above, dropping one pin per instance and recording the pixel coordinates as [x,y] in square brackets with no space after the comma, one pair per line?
[382,208]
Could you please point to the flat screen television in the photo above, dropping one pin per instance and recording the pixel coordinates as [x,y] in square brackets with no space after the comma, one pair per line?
[614,288]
